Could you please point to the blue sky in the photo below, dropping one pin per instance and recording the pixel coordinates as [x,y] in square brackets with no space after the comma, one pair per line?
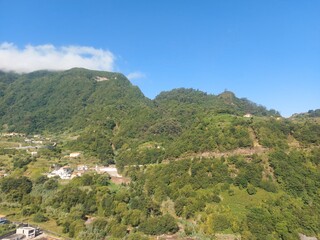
[267,51]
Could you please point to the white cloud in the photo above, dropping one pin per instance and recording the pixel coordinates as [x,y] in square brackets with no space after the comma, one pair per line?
[136,75]
[49,57]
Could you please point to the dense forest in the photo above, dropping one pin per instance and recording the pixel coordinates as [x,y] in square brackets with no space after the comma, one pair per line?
[199,164]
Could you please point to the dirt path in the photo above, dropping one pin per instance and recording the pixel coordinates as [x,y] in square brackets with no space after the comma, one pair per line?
[254,137]
[240,151]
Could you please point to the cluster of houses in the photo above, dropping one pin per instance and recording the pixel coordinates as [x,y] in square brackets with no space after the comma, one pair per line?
[66,172]
[13,134]
[34,142]
[35,139]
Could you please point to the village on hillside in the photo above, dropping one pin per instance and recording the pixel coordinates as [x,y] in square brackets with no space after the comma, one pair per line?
[75,165]
[32,144]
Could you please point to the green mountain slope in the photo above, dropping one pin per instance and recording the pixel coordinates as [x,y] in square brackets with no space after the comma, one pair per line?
[63,100]
[198,163]
[89,101]
[107,106]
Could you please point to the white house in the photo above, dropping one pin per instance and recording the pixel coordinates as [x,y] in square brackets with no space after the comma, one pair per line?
[63,172]
[248,115]
[29,232]
[74,154]
[82,168]
[34,153]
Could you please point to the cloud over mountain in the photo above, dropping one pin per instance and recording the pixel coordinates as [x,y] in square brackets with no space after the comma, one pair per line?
[50,57]
[136,75]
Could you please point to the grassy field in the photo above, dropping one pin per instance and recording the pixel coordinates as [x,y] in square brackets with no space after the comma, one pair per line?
[241,200]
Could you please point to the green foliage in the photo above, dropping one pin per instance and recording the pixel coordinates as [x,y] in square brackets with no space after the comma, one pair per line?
[269,186]
[311,113]
[273,133]
[51,184]
[30,209]
[21,184]
[220,223]
[260,223]
[117,115]
[15,188]
[119,231]
[68,197]
[293,172]
[307,132]
[6,228]
[159,225]
[137,236]
[40,217]
[266,185]
[41,179]
[251,190]
[20,162]
[216,199]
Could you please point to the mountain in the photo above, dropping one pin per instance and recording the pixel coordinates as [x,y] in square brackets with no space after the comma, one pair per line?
[108,106]
[62,100]
[204,165]
[107,103]
[45,100]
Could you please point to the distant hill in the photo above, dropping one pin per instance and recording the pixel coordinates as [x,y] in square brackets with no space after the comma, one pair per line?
[310,113]
[44,100]
[116,121]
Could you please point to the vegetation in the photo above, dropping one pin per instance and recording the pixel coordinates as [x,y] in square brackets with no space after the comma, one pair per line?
[197,166]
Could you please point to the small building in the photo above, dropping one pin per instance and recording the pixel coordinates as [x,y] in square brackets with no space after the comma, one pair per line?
[3,174]
[248,115]
[34,154]
[74,154]
[63,172]
[13,134]
[82,168]
[29,232]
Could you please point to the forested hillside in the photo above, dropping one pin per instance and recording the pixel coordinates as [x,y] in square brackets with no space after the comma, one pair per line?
[107,107]
[200,164]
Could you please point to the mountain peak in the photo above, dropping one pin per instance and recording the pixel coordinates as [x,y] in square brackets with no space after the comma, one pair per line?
[227,95]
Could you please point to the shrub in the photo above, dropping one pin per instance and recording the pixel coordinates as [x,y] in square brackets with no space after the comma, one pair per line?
[251,190]
[39,217]
[216,199]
